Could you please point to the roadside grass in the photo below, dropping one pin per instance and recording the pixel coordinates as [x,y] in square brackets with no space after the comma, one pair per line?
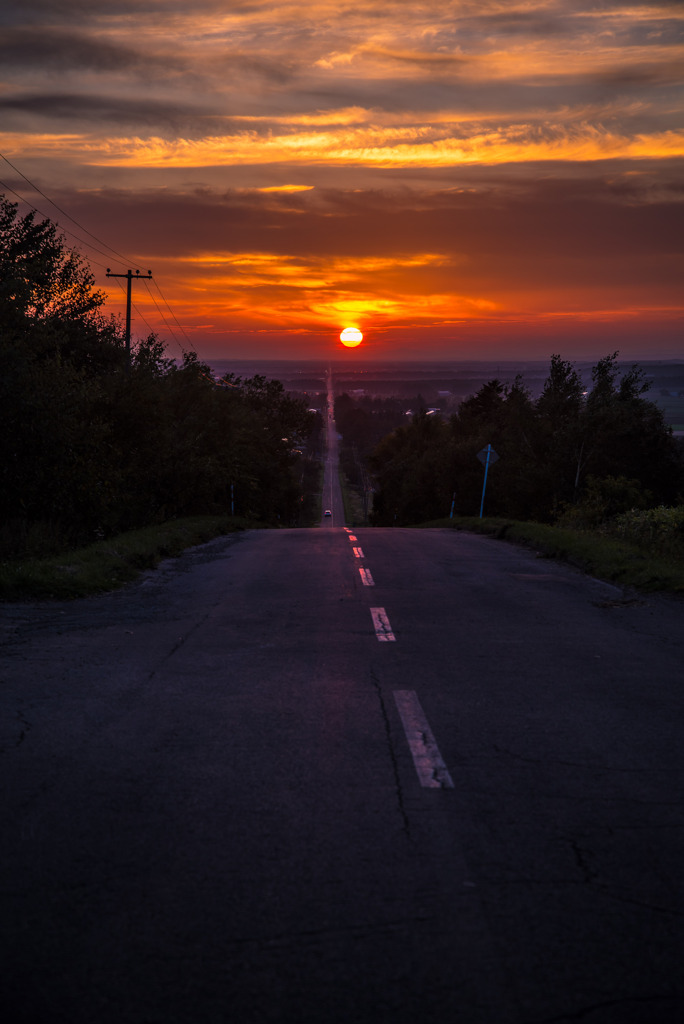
[353,504]
[616,561]
[109,564]
[317,512]
[344,487]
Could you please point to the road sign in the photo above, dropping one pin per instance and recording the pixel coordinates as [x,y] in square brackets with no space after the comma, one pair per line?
[488,455]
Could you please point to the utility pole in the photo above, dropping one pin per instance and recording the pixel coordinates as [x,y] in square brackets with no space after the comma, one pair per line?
[129,278]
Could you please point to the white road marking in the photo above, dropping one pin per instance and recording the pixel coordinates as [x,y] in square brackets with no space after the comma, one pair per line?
[383,630]
[358,553]
[432,771]
[352,538]
[367,578]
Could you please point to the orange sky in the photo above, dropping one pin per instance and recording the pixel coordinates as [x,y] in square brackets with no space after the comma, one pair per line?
[471,179]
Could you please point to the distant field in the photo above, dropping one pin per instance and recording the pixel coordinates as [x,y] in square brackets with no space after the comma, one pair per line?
[673,410]
[446,383]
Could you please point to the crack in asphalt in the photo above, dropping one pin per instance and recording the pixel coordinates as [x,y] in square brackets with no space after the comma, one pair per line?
[582,860]
[597,887]
[27,728]
[406,826]
[649,827]
[582,764]
[617,898]
[594,1007]
[181,641]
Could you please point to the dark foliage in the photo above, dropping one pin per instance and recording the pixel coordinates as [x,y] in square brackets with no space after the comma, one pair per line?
[553,453]
[90,448]
[362,423]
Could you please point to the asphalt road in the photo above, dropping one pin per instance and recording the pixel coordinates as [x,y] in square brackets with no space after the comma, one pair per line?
[211,811]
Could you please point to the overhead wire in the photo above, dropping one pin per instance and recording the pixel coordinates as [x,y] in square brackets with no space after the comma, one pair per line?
[175,318]
[124,259]
[137,312]
[73,234]
[163,317]
[36,209]
[218,381]
[119,257]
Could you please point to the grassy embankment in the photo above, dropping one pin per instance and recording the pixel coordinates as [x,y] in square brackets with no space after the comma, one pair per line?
[352,501]
[657,566]
[112,563]
[317,507]
[620,562]
[109,564]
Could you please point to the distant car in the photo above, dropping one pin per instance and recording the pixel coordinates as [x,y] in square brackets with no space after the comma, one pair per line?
[327,512]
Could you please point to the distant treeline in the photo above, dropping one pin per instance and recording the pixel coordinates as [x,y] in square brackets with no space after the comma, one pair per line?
[363,421]
[91,445]
[573,454]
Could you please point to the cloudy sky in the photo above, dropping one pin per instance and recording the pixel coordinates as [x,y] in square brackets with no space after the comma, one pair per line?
[457,178]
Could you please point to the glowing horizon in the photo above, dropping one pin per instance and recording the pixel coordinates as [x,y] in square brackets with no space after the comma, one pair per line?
[453,178]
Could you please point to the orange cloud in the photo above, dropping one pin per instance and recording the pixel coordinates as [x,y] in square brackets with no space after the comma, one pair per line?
[438,167]
[393,146]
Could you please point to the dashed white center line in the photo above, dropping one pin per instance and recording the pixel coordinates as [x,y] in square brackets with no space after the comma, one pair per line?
[381,623]
[431,769]
[366,578]
[358,553]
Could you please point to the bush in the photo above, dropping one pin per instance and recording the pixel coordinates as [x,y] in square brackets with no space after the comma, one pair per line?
[604,499]
[661,528]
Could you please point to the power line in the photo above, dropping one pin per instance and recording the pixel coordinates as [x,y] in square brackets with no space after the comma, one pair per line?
[218,383]
[124,259]
[165,321]
[119,256]
[137,311]
[73,234]
[180,326]
[130,277]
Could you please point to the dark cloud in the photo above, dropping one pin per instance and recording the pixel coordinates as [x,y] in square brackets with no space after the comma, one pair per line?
[232,64]
[655,31]
[435,63]
[583,19]
[58,50]
[513,23]
[597,225]
[148,113]
[145,96]
[640,75]
[62,11]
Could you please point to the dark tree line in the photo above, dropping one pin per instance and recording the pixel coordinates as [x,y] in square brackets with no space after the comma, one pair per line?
[90,447]
[554,452]
[363,422]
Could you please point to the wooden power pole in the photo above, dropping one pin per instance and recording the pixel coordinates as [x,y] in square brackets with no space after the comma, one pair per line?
[129,278]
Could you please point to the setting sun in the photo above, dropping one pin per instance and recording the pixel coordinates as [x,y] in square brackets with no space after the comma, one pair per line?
[468,181]
[351,337]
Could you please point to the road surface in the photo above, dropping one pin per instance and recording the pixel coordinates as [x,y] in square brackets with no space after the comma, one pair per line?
[330,777]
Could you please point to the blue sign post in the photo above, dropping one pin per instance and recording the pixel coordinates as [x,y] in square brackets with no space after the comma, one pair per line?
[487,457]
